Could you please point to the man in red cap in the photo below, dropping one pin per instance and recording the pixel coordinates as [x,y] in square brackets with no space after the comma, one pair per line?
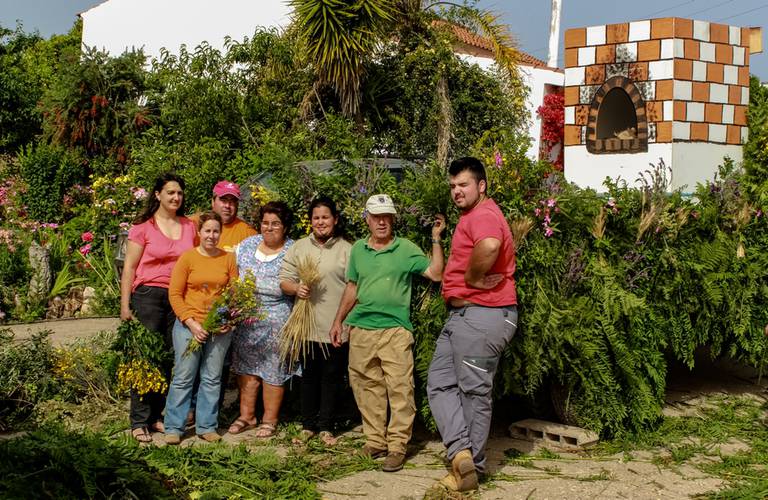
[225,202]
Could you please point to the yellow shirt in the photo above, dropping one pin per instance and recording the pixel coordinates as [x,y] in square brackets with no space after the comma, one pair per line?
[196,281]
[231,234]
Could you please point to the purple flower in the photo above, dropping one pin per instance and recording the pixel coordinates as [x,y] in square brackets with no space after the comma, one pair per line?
[497,158]
[548,232]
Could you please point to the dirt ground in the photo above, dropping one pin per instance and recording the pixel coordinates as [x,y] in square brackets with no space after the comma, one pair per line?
[571,476]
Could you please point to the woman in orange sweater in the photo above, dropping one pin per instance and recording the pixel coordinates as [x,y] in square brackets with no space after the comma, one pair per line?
[198,277]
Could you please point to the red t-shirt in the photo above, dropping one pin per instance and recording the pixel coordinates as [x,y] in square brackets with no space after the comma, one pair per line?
[483,221]
[160,252]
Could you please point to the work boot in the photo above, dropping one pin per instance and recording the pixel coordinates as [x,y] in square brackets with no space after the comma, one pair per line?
[211,437]
[372,452]
[172,439]
[463,476]
[394,462]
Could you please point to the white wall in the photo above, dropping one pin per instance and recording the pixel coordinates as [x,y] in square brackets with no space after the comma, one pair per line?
[691,163]
[118,25]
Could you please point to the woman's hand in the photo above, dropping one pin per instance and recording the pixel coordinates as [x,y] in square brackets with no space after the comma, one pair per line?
[126,314]
[197,330]
[303,291]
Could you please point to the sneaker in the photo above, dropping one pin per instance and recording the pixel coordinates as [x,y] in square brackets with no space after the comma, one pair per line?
[394,462]
[211,437]
[173,439]
[372,452]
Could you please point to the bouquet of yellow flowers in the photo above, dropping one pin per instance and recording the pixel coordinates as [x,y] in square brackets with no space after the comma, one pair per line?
[141,359]
[237,304]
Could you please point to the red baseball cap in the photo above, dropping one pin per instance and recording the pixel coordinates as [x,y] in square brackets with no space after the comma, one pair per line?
[223,188]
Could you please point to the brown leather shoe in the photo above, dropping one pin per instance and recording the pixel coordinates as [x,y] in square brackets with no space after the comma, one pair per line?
[211,437]
[394,462]
[372,452]
[463,476]
[172,439]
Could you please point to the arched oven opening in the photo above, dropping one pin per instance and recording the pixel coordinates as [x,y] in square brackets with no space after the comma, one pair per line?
[617,121]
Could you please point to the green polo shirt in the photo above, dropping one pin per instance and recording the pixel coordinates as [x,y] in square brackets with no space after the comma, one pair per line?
[383,280]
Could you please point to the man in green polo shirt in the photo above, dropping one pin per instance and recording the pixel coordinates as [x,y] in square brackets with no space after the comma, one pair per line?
[378,294]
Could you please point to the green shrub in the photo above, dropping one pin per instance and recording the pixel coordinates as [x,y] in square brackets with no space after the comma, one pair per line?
[49,171]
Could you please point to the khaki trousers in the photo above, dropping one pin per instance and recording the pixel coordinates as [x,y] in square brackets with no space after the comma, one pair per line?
[381,372]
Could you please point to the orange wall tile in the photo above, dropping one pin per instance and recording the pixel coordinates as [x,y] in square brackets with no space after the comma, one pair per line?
[571,58]
[595,74]
[606,54]
[699,131]
[617,33]
[576,37]
[678,111]
[582,115]
[740,115]
[664,90]
[662,28]
[571,96]
[724,53]
[691,49]
[718,33]
[654,110]
[649,50]
[700,92]
[744,75]
[683,69]
[572,135]
[713,113]
[745,38]
[664,132]
[733,134]
[734,94]
[683,28]
[715,72]
[638,71]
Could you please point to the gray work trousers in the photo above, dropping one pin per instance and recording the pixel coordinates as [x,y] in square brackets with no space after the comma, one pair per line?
[460,379]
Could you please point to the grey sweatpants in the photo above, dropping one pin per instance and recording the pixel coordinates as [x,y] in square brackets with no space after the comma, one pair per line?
[461,376]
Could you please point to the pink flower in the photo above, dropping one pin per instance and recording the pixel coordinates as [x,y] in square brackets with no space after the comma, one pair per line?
[498,159]
[548,232]
[537,211]
[139,193]
[85,249]
[551,202]
[87,237]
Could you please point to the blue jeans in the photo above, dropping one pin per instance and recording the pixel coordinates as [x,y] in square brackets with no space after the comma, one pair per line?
[208,362]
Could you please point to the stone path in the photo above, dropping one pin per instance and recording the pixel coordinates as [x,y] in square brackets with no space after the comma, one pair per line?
[65,331]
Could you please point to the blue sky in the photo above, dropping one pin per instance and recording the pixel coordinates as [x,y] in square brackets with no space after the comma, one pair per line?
[528,19]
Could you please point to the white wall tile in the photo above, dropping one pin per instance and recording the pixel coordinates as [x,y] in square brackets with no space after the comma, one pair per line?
[716,132]
[728,114]
[668,111]
[570,115]
[730,74]
[626,52]
[668,48]
[694,112]
[734,35]
[574,76]
[682,90]
[679,48]
[586,56]
[701,30]
[745,96]
[699,71]
[744,135]
[596,35]
[718,93]
[738,56]
[707,51]
[661,70]
[681,130]
[639,30]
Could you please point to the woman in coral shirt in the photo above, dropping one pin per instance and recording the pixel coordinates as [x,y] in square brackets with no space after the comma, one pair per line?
[199,277]
[158,237]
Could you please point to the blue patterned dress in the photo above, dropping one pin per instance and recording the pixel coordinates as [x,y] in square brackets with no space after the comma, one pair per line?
[255,347]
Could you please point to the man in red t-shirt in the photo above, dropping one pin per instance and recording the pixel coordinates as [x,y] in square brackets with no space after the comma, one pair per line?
[479,289]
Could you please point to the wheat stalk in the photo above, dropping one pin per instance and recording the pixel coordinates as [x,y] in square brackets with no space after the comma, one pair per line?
[598,225]
[519,229]
[297,331]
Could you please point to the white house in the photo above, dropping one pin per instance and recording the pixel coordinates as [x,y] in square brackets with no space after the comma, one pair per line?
[119,25]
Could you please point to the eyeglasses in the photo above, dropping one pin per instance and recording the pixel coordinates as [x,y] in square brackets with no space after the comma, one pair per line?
[275,224]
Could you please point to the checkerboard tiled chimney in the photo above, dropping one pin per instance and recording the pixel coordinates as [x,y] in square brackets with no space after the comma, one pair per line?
[668,88]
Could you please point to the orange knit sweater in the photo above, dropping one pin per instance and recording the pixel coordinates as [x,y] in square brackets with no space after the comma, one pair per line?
[196,281]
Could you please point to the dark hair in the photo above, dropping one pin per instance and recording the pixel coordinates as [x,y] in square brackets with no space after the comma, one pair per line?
[209,215]
[281,209]
[471,164]
[153,203]
[325,201]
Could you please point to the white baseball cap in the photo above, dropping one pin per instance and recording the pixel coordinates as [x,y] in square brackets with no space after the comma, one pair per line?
[380,204]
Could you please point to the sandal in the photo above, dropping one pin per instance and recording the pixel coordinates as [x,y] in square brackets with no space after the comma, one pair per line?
[304,436]
[141,434]
[266,430]
[239,426]
[327,438]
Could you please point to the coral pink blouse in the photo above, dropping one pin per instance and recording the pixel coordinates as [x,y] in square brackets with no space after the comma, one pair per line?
[160,252]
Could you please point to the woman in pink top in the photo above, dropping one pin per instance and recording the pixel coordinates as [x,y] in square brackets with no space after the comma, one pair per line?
[158,237]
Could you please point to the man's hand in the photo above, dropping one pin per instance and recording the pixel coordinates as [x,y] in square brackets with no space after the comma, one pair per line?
[197,330]
[487,282]
[438,227]
[336,330]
